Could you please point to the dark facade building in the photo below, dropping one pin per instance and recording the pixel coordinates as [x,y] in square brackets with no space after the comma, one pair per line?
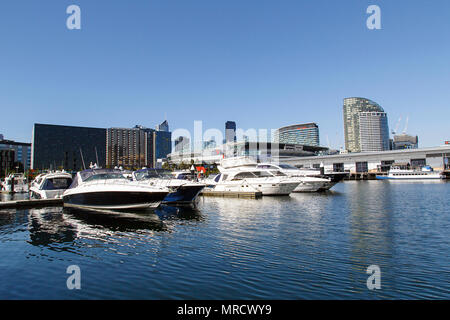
[230,131]
[6,161]
[22,153]
[55,146]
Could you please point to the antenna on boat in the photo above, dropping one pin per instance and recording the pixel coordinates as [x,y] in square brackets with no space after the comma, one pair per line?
[82,159]
[96,155]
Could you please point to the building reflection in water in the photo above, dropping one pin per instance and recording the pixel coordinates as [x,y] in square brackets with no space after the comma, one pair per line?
[371,230]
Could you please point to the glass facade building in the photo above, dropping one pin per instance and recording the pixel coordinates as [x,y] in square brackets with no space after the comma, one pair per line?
[304,134]
[230,131]
[55,146]
[373,131]
[374,127]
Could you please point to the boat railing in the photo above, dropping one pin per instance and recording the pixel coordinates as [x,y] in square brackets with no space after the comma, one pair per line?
[124,182]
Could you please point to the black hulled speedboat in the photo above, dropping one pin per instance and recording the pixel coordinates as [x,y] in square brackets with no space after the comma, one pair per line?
[108,189]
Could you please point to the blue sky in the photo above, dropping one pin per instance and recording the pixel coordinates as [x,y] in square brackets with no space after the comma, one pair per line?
[262,63]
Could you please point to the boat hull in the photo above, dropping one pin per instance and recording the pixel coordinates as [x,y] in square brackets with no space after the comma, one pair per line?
[114,200]
[185,194]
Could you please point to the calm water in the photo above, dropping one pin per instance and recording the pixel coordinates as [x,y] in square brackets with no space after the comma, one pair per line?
[310,246]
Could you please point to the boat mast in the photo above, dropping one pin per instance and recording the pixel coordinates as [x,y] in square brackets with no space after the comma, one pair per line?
[82,159]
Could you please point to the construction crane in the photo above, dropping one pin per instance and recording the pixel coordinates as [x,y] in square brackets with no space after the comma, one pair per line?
[396,127]
[406,125]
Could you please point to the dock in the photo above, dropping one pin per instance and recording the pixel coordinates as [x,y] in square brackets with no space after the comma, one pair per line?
[222,194]
[25,204]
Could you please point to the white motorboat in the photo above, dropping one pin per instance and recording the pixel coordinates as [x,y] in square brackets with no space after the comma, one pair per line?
[15,183]
[183,191]
[307,183]
[108,189]
[425,173]
[243,179]
[50,185]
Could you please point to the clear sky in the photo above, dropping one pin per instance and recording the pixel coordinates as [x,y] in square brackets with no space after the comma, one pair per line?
[261,63]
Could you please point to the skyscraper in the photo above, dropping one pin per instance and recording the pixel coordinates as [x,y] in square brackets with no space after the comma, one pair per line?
[373,131]
[365,125]
[129,148]
[230,131]
[137,147]
[305,134]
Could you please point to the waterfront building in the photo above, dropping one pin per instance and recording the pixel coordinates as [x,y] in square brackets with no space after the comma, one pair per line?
[363,162]
[129,148]
[230,131]
[22,153]
[137,147]
[6,161]
[57,146]
[303,134]
[373,128]
[265,151]
[373,131]
[405,141]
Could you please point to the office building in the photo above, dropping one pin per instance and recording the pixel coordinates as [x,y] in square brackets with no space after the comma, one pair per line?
[6,161]
[303,134]
[137,147]
[56,146]
[162,141]
[164,126]
[230,131]
[373,131]
[129,148]
[22,153]
[373,134]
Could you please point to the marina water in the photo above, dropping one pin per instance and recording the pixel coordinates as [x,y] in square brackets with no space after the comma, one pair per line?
[305,246]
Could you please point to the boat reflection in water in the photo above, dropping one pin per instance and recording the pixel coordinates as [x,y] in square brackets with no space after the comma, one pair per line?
[57,226]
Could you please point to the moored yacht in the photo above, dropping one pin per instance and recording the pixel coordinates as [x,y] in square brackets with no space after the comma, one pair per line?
[50,185]
[15,183]
[182,191]
[245,179]
[307,183]
[108,189]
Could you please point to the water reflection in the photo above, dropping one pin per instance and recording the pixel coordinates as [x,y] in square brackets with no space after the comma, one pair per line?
[48,226]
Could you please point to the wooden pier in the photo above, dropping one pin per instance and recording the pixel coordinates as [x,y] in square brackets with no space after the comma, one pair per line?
[24,204]
[243,194]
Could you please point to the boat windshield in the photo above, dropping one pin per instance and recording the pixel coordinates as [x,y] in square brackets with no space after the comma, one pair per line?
[106,176]
[287,166]
[152,173]
[57,183]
